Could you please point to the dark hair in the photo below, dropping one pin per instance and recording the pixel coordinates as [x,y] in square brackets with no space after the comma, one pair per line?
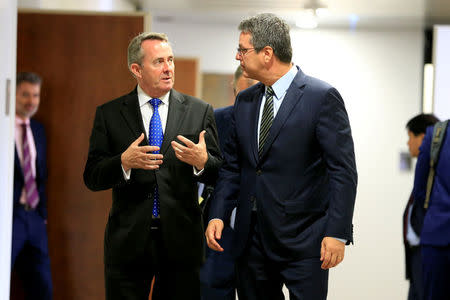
[269,30]
[419,123]
[28,77]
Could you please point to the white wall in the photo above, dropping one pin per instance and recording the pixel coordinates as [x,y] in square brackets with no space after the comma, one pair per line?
[441,62]
[8,36]
[378,74]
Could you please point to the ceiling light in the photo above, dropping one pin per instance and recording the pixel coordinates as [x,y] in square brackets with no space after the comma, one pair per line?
[309,18]
[307,21]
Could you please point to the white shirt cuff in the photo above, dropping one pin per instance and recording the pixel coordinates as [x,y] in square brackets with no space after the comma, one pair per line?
[198,173]
[340,240]
[126,175]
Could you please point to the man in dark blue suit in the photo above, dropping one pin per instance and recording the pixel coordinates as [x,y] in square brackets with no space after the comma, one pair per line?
[29,238]
[435,229]
[416,127]
[217,276]
[290,170]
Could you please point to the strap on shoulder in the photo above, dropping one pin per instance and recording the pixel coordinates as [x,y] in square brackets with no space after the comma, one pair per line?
[436,143]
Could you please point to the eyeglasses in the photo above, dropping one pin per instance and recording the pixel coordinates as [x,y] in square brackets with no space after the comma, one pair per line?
[243,51]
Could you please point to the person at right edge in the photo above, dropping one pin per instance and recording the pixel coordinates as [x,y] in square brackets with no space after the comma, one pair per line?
[416,128]
[435,229]
[289,169]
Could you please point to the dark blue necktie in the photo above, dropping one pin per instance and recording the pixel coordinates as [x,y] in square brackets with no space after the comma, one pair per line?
[155,134]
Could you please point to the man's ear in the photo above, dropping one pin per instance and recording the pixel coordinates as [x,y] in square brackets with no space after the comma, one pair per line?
[268,53]
[136,70]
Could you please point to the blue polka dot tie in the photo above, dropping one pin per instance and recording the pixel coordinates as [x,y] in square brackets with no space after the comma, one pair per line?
[155,134]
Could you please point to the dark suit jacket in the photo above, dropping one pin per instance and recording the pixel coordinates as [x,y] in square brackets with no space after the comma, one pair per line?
[41,170]
[435,230]
[223,117]
[304,184]
[117,124]
[408,251]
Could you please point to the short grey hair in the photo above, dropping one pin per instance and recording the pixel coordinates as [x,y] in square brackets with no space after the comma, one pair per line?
[135,53]
[269,30]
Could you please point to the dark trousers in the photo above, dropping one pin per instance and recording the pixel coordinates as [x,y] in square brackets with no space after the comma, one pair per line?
[172,281]
[414,261]
[30,254]
[217,275]
[436,272]
[260,278]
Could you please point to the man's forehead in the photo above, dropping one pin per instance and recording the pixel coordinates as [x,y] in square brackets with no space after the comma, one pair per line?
[245,38]
[28,85]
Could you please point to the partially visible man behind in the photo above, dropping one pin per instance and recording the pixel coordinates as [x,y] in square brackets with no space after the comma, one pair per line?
[29,238]
[217,275]
[416,128]
[290,170]
[155,225]
[435,229]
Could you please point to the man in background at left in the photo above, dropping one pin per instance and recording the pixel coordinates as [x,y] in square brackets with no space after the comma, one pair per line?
[29,238]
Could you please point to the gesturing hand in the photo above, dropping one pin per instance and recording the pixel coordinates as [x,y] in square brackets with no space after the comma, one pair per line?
[137,157]
[193,154]
[331,252]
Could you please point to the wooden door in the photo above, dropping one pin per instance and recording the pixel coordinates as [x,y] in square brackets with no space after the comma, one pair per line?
[82,59]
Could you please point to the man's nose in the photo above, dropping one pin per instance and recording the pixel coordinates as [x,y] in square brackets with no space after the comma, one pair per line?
[167,66]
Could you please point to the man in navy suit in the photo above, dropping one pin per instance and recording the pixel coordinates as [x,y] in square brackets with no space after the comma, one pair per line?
[290,170]
[29,238]
[217,275]
[416,127]
[435,229]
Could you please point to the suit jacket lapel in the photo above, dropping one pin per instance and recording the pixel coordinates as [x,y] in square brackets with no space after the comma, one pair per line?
[17,162]
[132,115]
[175,117]
[254,115]
[293,95]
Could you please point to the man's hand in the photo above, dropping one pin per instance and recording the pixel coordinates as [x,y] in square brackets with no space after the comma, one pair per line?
[136,157]
[331,253]
[193,154]
[214,233]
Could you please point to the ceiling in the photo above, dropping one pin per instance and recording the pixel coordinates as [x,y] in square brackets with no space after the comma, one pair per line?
[341,13]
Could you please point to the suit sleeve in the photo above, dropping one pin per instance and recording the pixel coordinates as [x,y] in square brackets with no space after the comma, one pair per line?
[209,176]
[103,169]
[334,136]
[43,171]
[228,185]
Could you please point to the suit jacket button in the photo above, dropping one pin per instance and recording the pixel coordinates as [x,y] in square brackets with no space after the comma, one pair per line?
[258,172]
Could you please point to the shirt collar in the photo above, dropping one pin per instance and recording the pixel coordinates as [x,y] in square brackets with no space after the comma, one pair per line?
[281,85]
[20,122]
[144,98]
